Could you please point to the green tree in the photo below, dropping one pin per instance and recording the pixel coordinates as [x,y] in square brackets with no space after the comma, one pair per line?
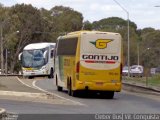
[60,20]
[150,51]
[25,20]
[68,20]
[87,25]
[115,24]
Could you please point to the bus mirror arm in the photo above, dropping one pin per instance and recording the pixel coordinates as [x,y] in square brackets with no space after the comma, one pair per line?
[20,56]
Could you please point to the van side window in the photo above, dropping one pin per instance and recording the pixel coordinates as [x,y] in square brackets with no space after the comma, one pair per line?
[64,49]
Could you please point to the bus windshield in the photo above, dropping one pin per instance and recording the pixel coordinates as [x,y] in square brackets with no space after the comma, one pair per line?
[35,58]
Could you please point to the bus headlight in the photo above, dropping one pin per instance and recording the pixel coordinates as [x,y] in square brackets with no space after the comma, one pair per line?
[43,68]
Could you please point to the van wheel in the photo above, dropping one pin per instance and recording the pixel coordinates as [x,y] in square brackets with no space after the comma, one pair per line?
[58,87]
[51,73]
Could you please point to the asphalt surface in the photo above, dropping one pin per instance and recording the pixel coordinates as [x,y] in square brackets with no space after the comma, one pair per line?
[13,84]
[123,102]
[13,88]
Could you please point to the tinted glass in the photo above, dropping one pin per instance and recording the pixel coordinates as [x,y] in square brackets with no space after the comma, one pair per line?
[67,46]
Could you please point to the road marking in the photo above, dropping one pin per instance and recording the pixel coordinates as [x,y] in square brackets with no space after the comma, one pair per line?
[38,88]
[24,94]
[34,84]
[25,83]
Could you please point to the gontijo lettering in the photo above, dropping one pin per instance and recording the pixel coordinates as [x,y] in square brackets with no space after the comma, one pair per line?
[100,59]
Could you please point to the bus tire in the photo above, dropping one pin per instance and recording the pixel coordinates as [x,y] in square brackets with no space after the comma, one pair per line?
[110,95]
[70,91]
[74,93]
[58,87]
[69,87]
[30,77]
[51,73]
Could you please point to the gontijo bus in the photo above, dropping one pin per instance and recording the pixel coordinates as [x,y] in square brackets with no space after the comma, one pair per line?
[89,60]
[38,60]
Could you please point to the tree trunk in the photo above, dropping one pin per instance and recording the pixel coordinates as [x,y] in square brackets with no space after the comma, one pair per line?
[12,66]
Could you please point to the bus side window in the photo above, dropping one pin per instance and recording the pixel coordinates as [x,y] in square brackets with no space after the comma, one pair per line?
[52,53]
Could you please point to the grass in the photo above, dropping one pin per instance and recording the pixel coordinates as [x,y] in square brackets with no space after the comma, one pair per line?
[155,80]
[135,79]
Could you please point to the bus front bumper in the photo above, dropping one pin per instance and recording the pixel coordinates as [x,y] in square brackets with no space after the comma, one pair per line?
[34,73]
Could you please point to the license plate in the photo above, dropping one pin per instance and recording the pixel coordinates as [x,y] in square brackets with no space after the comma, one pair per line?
[99,83]
[29,68]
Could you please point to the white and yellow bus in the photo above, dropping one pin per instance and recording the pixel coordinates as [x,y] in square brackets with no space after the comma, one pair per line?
[89,60]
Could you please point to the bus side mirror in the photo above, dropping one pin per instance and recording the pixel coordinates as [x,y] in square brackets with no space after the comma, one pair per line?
[45,54]
[20,56]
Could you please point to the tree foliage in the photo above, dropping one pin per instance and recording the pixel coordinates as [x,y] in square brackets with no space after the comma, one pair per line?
[24,24]
[68,19]
[150,51]
[25,20]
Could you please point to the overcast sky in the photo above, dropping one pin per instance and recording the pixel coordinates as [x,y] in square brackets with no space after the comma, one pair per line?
[142,12]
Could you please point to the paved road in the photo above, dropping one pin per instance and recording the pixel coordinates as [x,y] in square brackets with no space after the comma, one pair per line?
[14,84]
[124,102]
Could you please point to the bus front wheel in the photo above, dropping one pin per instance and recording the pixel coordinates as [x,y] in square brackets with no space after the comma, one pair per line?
[51,73]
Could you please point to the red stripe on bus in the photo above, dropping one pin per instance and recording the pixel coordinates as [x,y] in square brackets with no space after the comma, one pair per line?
[90,61]
[110,62]
[107,62]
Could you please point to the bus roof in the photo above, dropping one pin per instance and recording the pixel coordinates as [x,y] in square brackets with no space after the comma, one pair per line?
[86,31]
[37,46]
[77,33]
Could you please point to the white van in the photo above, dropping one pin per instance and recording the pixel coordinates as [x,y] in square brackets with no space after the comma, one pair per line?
[136,70]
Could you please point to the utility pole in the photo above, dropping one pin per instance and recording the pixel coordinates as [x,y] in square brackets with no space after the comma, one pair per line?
[6,61]
[128,36]
[1,52]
